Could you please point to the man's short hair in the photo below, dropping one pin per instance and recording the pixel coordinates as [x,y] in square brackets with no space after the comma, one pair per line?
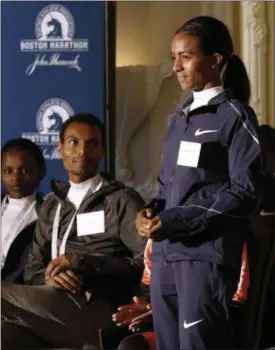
[82,118]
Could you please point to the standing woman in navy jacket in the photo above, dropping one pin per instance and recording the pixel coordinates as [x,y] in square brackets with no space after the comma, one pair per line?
[23,167]
[208,186]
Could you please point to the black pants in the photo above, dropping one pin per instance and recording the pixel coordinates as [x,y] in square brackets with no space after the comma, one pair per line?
[134,342]
[36,317]
[121,338]
[191,305]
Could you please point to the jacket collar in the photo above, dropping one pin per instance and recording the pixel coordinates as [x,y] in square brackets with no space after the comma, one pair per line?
[224,96]
[39,201]
[61,188]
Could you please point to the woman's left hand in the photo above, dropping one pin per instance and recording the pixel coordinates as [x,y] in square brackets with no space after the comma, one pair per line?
[156,225]
[127,313]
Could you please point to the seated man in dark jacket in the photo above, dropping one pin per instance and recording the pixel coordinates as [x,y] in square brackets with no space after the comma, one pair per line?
[23,167]
[86,255]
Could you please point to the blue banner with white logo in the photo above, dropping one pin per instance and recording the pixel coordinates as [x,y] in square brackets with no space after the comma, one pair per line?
[53,65]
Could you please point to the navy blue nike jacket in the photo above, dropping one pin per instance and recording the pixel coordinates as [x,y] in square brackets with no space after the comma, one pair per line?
[205,206]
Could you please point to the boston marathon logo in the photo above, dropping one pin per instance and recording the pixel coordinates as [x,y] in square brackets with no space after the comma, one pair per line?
[50,116]
[54,30]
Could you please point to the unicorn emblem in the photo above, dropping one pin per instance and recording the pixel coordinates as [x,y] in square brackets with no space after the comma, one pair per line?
[55,122]
[55,28]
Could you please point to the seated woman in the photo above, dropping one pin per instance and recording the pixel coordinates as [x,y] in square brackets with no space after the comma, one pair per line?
[23,167]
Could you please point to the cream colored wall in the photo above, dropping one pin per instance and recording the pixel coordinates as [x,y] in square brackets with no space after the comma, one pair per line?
[271,62]
[144,32]
[257,33]
[145,28]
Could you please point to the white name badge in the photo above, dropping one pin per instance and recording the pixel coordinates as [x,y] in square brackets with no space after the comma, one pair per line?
[90,223]
[189,154]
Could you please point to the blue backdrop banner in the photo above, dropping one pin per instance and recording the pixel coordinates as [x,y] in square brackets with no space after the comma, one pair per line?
[52,57]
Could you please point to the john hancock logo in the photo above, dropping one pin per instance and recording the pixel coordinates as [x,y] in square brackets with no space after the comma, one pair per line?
[50,116]
[54,45]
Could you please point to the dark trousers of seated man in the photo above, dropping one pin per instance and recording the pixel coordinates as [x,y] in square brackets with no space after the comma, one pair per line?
[38,317]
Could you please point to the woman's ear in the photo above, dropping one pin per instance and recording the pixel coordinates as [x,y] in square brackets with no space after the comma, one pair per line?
[217,60]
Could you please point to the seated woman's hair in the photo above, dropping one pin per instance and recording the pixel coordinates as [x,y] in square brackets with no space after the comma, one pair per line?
[26,146]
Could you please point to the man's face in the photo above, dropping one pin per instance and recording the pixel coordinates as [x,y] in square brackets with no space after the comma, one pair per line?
[195,71]
[81,151]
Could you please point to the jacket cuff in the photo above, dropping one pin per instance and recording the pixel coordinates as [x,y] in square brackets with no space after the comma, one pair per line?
[77,261]
[171,222]
[82,265]
[143,292]
[156,205]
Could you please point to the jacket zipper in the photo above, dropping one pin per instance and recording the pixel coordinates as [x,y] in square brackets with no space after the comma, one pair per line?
[171,201]
[172,190]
